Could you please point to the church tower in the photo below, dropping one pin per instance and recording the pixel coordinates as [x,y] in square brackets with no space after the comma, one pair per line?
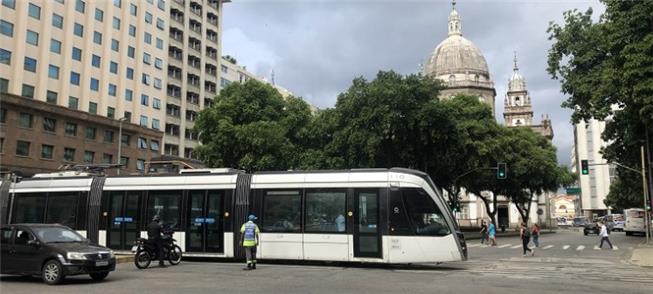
[518,110]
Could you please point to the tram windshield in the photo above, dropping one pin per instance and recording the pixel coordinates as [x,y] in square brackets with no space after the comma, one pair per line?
[424,215]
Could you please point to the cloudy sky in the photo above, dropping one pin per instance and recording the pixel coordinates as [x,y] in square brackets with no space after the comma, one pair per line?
[317,47]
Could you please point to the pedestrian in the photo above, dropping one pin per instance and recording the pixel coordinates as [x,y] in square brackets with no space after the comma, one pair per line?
[525,235]
[604,235]
[492,232]
[484,235]
[536,235]
[249,238]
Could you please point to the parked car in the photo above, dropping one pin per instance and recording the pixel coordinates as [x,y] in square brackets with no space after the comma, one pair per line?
[590,228]
[579,221]
[53,252]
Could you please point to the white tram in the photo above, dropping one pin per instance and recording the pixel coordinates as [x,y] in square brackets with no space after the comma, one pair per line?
[369,215]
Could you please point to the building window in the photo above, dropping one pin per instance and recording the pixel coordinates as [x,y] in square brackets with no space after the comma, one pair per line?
[111,112]
[99,15]
[112,90]
[96,61]
[4,85]
[124,161]
[132,30]
[92,107]
[148,17]
[161,4]
[49,125]
[74,78]
[159,43]
[73,102]
[27,91]
[147,37]
[47,151]
[95,84]
[34,11]
[7,28]
[146,79]
[81,6]
[156,124]
[142,143]
[113,67]
[22,148]
[115,45]
[125,139]
[116,23]
[130,73]
[133,10]
[156,103]
[97,37]
[223,69]
[9,3]
[147,59]
[51,97]
[77,54]
[53,72]
[128,116]
[160,24]
[117,3]
[90,133]
[143,121]
[55,46]
[79,30]
[130,51]
[108,136]
[158,63]
[107,158]
[57,20]
[30,64]
[154,145]
[5,56]
[145,100]
[71,129]
[69,154]
[3,115]
[25,120]
[140,164]
[2,145]
[32,37]
[129,95]
[89,156]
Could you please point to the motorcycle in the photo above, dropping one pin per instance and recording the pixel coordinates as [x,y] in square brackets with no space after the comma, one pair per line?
[146,251]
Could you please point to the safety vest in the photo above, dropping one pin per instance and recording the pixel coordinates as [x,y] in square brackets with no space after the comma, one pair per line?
[249,231]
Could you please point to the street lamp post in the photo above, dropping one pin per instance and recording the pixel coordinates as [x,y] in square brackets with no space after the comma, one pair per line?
[120,121]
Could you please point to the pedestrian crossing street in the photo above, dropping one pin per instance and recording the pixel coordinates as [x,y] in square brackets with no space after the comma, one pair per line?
[547,247]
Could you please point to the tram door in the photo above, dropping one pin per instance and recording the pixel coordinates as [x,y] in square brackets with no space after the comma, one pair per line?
[367,236]
[205,231]
[123,219]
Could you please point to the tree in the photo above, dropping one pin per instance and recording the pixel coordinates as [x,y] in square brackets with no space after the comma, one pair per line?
[625,192]
[606,68]
[252,127]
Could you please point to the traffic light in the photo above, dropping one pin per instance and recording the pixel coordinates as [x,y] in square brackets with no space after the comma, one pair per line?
[502,171]
[584,167]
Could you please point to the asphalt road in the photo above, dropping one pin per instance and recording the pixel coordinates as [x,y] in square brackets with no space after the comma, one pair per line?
[490,270]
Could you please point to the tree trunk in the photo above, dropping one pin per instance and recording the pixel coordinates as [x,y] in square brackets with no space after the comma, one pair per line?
[488,209]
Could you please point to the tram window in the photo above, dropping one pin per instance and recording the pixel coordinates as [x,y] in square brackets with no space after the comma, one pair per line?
[399,224]
[282,211]
[325,211]
[5,236]
[425,217]
[62,209]
[29,208]
[165,204]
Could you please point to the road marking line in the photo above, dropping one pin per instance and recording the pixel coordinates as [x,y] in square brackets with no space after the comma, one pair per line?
[565,247]
[580,247]
[548,246]
[516,246]
[596,247]
[504,246]
[615,248]
[473,245]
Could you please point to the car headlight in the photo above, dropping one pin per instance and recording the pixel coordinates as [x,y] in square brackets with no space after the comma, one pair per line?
[76,256]
[111,254]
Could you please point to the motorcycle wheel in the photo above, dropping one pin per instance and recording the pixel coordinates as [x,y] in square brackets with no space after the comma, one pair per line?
[174,256]
[142,259]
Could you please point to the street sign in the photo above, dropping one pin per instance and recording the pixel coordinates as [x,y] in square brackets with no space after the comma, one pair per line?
[573,191]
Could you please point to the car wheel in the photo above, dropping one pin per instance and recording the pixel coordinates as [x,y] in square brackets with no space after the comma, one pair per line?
[52,272]
[99,276]
[628,234]
[585,232]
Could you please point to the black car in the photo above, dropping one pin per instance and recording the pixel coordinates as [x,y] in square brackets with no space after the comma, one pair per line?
[590,228]
[53,252]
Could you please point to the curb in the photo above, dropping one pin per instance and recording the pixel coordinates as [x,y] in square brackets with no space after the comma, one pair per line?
[509,234]
[124,258]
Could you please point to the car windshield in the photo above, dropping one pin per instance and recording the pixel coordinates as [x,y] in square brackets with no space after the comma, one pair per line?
[57,235]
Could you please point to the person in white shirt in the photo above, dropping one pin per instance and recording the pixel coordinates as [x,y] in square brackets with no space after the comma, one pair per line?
[604,235]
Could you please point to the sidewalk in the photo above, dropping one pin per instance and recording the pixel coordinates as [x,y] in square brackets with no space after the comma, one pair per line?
[477,235]
[642,255]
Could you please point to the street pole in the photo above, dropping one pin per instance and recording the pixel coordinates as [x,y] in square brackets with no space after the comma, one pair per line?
[120,142]
[644,186]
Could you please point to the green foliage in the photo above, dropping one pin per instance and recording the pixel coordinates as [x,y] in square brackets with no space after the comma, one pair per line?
[606,68]
[625,192]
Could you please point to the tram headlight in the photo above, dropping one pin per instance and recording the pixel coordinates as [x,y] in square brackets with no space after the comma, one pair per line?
[75,256]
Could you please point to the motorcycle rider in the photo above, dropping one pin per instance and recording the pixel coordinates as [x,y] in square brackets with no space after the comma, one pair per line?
[154,235]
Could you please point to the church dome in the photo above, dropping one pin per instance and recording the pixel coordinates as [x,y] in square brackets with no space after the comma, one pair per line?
[516,81]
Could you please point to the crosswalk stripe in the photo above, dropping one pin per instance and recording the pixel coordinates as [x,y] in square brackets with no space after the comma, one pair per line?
[615,248]
[596,247]
[580,247]
[504,246]
[473,245]
[515,247]
[547,247]
[565,247]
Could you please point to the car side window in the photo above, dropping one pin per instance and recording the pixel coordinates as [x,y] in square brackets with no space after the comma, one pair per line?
[5,235]
[22,236]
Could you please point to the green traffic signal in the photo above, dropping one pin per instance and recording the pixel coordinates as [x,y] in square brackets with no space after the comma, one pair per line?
[501,171]
[584,167]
